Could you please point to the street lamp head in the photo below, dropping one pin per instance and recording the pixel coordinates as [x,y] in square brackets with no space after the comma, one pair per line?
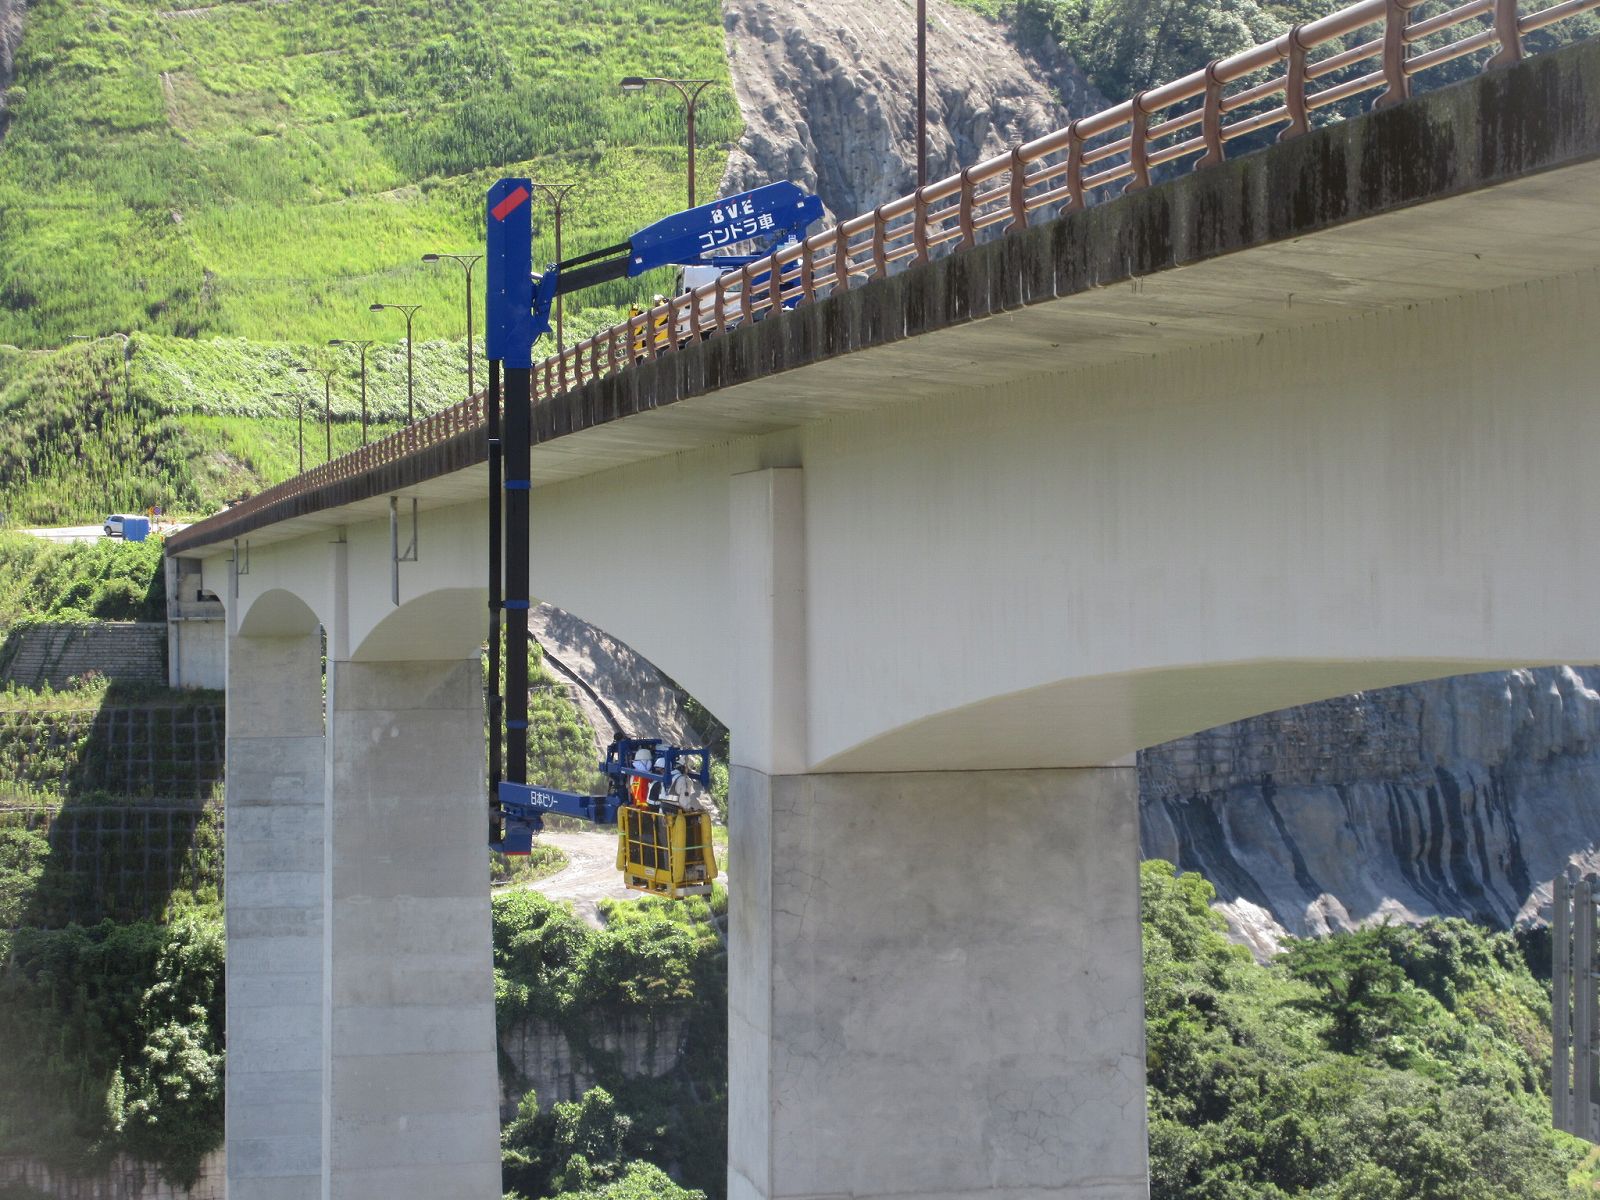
[430,258]
[378,307]
[633,83]
[337,342]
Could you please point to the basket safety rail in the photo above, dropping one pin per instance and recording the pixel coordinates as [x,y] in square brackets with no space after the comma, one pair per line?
[1376,46]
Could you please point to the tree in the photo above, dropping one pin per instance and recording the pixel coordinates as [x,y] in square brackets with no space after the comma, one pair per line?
[1363,990]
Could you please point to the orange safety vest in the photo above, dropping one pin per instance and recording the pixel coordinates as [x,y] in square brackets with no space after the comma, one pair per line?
[639,790]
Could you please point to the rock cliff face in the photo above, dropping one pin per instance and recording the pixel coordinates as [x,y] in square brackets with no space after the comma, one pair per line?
[10,38]
[1463,797]
[546,1063]
[828,92]
[634,700]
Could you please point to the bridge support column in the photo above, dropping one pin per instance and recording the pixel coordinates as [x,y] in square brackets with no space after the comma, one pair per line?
[935,985]
[412,1100]
[274,912]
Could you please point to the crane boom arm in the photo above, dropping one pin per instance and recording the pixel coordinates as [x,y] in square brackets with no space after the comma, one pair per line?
[519,302]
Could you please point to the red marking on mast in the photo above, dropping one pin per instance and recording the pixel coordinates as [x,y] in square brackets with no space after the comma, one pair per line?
[509,204]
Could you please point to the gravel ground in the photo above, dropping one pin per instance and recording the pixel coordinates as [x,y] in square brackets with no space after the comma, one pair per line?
[590,875]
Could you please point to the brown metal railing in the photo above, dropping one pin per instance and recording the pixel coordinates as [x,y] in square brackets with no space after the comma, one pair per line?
[1273,84]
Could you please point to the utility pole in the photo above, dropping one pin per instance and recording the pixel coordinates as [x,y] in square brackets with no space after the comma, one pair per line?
[556,193]
[327,411]
[466,261]
[690,90]
[361,344]
[922,93]
[410,311]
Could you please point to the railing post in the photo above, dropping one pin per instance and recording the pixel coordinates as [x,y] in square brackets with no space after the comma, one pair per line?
[1294,88]
[919,226]
[808,266]
[671,341]
[880,253]
[1019,191]
[747,311]
[841,258]
[1509,33]
[1211,119]
[1396,16]
[719,305]
[1138,158]
[969,233]
[1075,198]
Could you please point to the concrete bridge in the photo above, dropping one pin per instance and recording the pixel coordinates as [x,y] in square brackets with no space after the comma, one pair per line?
[943,548]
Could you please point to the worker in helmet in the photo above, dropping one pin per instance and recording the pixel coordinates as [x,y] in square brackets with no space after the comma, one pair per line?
[638,785]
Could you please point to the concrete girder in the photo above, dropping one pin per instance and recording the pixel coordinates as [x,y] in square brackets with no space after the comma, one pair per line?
[1056,571]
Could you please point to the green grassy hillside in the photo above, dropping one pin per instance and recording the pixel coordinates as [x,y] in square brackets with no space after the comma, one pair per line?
[267,170]
[235,183]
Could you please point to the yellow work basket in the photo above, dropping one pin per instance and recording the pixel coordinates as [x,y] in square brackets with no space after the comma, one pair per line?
[666,853]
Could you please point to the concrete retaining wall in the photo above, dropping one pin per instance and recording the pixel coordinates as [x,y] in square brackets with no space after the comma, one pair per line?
[131,651]
[124,1179]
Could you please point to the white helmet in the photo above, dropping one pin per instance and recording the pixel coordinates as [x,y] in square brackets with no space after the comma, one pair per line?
[641,757]
[661,764]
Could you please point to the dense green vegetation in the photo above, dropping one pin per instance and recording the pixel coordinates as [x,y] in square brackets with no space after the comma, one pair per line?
[235,184]
[656,965]
[266,171]
[77,581]
[113,1039]
[1388,1064]
[1126,45]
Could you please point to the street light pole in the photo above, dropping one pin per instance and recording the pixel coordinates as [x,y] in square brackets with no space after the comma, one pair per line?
[556,193]
[690,90]
[299,424]
[922,93]
[362,346]
[466,261]
[327,406]
[410,311]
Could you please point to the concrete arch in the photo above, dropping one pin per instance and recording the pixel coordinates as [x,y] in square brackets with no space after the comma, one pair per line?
[440,625]
[1094,721]
[276,612]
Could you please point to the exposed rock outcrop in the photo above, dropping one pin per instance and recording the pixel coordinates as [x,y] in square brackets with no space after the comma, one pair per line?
[621,692]
[546,1063]
[10,38]
[828,93]
[1462,797]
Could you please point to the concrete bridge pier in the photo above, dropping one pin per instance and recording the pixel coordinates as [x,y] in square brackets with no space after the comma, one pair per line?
[410,1077]
[274,906]
[361,1040]
[935,978]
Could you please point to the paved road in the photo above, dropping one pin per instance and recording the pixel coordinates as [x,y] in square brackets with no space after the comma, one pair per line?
[69,533]
[590,874]
[89,533]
